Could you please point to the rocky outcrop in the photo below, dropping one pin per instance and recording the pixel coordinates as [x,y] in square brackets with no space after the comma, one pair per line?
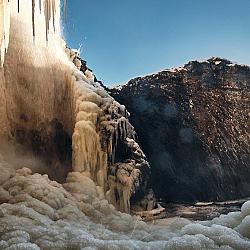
[192,123]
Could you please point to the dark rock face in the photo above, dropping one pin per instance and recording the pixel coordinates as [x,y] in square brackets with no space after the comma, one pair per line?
[192,123]
[50,142]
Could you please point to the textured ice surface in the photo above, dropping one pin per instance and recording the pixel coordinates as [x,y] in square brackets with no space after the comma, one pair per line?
[37,213]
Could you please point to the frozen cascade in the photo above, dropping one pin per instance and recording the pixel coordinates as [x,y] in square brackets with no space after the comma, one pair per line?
[48,86]
[98,116]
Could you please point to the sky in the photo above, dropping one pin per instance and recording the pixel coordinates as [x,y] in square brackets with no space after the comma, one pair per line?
[122,39]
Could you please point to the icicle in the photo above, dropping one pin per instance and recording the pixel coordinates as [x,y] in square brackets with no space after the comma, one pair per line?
[4,28]
[6,25]
[64,8]
[40,6]
[33,19]
[46,14]
[53,14]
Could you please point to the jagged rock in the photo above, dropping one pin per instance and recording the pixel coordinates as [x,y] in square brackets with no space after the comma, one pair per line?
[192,123]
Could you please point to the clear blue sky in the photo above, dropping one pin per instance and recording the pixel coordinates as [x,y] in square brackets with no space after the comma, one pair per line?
[122,39]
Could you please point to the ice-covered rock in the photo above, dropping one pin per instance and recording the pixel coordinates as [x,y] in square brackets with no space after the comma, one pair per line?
[104,144]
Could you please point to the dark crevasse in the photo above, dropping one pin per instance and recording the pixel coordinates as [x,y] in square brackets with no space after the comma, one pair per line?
[192,123]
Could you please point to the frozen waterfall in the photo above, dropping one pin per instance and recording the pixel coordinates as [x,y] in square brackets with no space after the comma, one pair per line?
[48,104]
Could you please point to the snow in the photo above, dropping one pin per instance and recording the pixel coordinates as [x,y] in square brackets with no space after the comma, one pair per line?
[217,62]
[120,86]
[42,214]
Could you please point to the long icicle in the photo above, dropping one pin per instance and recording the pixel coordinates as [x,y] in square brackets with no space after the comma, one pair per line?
[49,13]
[33,19]
[7,25]
[46,18]
[64,8]
[53,14]
[2,46]
[40,6]
[4,28]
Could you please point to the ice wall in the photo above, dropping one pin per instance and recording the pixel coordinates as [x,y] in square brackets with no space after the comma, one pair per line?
[44,90]
[35,72]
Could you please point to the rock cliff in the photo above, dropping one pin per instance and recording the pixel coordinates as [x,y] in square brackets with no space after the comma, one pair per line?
[193,125]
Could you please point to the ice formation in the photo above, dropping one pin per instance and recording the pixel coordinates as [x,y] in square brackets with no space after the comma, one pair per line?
[100,123]
[49,7]
[48,85]
[41,81]
[4,28]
